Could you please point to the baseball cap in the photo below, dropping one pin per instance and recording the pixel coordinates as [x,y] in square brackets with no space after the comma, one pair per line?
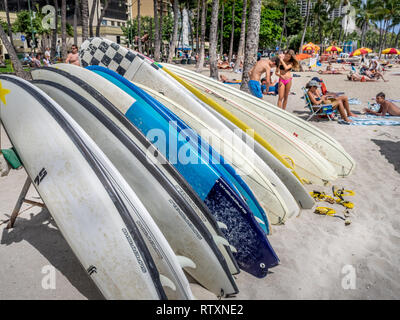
[316,79]
[314,83]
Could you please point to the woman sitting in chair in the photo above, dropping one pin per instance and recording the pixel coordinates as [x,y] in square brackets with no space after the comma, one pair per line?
[317,100]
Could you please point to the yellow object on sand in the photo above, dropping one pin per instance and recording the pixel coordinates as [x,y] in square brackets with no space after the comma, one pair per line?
[243,126]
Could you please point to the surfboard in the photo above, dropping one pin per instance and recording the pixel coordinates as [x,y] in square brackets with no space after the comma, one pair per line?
[83,192]
[214,159]
[181,186]
[195,247]
[320,141]
[309,164]
[100,51]
[254,255]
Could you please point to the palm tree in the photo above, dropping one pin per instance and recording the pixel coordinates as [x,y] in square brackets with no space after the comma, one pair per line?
[285,3]
[157,40]
[8,22]
[305,25]
[54,35]
[161,30]
[250,57]
[91,16]
[200,60]
[221,46]
[242,39]
[85,18]
[138,27]
[64,29]
[105,7]
[197,26]
[172,44]
[232,32]
[17,65]
[76,21]
[213,40]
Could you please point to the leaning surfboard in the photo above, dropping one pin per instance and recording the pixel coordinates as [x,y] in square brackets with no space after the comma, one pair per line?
[254,253]
[195,247]
[82,191]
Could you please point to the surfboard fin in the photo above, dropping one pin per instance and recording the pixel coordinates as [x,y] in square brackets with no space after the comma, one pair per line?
[166,282]
[222,225]
[185,262]
[220,240]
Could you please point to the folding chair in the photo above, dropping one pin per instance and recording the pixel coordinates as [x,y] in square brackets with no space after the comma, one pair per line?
[318,110]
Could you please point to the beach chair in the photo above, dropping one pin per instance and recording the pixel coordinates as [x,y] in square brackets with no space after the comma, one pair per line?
[320,110]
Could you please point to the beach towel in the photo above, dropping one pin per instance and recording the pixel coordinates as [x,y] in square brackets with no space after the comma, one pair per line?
[369,122]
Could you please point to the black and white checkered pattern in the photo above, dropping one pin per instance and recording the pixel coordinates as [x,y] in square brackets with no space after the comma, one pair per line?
[103,52]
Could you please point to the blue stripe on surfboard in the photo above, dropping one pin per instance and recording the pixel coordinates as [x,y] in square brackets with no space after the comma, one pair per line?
[215,160]
[255,253]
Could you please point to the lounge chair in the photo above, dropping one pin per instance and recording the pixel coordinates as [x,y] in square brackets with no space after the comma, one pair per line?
[319,110]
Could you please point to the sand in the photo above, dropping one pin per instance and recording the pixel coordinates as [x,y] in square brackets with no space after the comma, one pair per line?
[318,254]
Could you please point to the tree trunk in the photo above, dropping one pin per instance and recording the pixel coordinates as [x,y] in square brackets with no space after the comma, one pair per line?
[190,29]
[76,22]
[98,25]
[8,22]
[232,32]
[64,29]
[197,26]
[85,18]
[161,31]
[17,65]
[91,17]
[305,26]
[150,41]
[157,43]
[54,34]
[172,45]
[221,31]
[214,40]
[284,25]
[200,60]
[138,28]
[396,43]
[242,39]
[250,57]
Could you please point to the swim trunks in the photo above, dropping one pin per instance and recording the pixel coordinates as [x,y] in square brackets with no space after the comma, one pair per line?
[255,88]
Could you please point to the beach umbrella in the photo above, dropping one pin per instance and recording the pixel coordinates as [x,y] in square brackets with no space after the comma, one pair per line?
[310,47]
[333,48]
[391,51]
[360,52]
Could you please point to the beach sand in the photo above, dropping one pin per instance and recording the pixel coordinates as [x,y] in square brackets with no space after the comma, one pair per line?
[317,253]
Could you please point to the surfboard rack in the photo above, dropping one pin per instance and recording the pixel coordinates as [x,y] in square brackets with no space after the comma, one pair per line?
[21,200]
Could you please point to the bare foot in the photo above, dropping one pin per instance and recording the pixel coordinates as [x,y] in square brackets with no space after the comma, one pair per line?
[352,115]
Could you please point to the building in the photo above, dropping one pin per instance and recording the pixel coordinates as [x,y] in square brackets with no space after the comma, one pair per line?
[147,7]
[337,12]
[115,16]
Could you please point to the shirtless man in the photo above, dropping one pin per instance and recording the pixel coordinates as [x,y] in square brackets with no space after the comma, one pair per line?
[262,66]
[386,107]
[73,57]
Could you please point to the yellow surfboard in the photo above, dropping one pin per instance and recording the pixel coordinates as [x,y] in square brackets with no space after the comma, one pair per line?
[239,123]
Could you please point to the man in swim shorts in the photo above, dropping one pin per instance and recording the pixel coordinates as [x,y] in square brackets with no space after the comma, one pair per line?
[386,107]
[262,66]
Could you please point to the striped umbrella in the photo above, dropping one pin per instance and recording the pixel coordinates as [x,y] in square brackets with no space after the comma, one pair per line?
[360,52]
[310,47]
[333,48]
[391,51]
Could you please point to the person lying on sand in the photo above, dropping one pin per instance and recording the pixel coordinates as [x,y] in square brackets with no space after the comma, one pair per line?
[353,76]
[316,100]
[386,107]
[271,90]
[262,66]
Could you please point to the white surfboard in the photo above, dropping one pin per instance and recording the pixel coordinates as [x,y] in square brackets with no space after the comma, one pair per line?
[182,228]
[320,141]
[83,192]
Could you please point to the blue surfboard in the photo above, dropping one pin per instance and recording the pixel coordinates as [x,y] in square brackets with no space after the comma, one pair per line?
[255,254]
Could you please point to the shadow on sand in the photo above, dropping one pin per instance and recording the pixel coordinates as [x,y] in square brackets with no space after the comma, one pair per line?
[39,231]
[391,151]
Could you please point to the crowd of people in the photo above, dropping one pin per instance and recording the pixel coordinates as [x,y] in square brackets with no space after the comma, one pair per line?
[37,60]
